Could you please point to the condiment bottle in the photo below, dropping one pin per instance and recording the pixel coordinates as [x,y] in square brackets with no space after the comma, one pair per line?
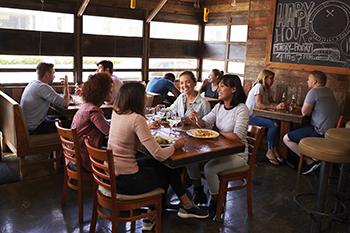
[292,104]
[283,97]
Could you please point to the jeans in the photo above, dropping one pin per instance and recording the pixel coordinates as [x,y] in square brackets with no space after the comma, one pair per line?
[298,134]
[48,125]
[152,174]
[273,133]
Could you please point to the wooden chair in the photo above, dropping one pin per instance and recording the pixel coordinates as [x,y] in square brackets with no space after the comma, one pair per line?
[16,136]
[106,196]
[71,152]
[341,124]
[255,134]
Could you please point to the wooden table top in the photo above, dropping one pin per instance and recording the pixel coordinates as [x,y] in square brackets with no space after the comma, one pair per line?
[282,115]
[72,109]
[197,150]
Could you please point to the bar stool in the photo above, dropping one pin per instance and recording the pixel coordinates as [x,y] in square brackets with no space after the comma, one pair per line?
[343,135]
[347,125]
[327,151]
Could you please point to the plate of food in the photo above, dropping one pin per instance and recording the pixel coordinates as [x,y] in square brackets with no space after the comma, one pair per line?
[203,133]
[164,140]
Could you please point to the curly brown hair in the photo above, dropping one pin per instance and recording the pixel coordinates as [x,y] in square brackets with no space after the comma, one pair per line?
[98,88]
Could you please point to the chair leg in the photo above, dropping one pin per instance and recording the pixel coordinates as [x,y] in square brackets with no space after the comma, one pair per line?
[94,211]
[158,227]
[80,200]
[249,197]
[56,156]
[301,160]
[22,168]
[65,188]
[220,200]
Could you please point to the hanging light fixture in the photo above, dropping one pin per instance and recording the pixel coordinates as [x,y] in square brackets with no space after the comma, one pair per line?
[205,14]
[132,4]
[233,2]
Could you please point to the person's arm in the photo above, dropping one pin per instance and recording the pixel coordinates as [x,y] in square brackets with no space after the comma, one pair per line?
[306,109]
[205,81]
[98,119]
[66,94]
[175,91]
[241,125]
[258,99]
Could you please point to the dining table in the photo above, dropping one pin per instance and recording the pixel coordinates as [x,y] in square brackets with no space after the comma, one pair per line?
[286,118]
[74,106]
[196,149]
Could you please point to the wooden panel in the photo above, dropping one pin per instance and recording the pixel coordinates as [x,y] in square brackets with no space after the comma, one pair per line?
[237,52]
[227,8]
[173,48]
[53,6]
[28,43]
[214,51]
[257,32]
[178,18]
[259,21]
[260,5]
[111,46]
[256,46]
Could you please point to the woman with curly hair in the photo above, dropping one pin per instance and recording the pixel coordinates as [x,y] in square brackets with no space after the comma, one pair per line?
[89,119]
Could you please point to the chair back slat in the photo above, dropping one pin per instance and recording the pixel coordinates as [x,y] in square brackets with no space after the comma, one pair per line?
[102,165]
[255,134]
[342,121]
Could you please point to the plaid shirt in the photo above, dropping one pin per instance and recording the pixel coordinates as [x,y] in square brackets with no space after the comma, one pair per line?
[89,120]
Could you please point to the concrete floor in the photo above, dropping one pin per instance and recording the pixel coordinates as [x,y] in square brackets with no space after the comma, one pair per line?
[34,205]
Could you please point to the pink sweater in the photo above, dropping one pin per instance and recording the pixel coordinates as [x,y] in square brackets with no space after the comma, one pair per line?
[127,133]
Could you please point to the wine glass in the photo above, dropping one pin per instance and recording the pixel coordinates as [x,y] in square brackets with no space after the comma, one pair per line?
[174,120]
[149,113]
[160,110]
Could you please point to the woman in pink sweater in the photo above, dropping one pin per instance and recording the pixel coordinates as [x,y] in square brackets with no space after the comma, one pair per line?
[129,130]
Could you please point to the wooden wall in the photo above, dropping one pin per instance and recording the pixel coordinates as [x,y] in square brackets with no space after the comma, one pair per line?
[290,81]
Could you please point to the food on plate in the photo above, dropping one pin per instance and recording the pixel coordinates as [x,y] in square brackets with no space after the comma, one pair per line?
[162,141]
[204,133]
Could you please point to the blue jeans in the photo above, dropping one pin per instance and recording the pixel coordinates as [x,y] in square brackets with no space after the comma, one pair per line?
[298,134]
[273,133]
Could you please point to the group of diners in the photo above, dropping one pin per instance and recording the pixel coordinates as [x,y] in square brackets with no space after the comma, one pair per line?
[129,130]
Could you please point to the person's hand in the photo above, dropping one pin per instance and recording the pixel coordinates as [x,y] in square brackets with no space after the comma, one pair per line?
[179,143]
[154,124]
[186,120]
[281,106]
[77,91]
[205,81]
[64,80]
[193,115]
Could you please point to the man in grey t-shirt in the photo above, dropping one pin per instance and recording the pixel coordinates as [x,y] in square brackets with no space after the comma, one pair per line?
[36,99]
[322,107]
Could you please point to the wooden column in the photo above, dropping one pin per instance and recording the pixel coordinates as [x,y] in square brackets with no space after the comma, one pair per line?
[78,57]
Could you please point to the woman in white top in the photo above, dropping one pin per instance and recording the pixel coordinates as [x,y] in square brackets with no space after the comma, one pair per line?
[260,96]
[231,117]
[189,99]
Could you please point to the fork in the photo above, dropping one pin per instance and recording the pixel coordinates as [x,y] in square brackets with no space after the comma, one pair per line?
[197,122]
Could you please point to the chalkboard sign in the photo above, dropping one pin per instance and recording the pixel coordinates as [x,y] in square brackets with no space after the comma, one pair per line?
[309,35]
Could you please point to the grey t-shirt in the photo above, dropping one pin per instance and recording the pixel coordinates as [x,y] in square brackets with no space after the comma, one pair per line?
[258,89]
[35,102]
[325,112]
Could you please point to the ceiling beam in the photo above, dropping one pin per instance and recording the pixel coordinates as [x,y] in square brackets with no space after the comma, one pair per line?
[156,10]
[83,7]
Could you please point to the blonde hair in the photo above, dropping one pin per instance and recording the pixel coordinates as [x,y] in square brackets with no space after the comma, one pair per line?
[262,77]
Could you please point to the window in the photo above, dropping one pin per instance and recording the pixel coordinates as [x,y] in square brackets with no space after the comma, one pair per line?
[170,66]
[239,33]
[236,67]
[215,33]
[112,26]
[36,20]
[30,62]
[209,65]
[178,31]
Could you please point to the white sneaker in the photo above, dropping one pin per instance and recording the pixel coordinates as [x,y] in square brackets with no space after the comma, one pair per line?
[312,167]
[147,225]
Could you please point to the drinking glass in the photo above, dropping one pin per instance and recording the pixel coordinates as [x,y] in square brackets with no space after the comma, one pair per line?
[174,120]
[160,110]
[149,113]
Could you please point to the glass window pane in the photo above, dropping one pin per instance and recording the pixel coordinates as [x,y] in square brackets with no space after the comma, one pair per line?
[98,25]
[236,67]
[27,77]
[36,20]
[208,65]
[153,74]
[239,33]
[161,63]
[215,33]
[124,76]
[118,62]
[31,62]
[175,31]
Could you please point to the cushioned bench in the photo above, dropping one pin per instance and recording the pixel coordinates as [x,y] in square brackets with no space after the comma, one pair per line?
[16,136]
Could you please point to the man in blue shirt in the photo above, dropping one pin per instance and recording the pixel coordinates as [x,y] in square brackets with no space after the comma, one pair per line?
[162,86]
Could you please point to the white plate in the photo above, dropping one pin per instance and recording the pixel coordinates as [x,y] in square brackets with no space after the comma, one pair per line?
[191,131]
[169,138]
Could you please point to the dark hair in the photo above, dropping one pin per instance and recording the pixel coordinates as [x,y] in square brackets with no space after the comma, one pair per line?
[42,68]
[170,76]
[218,72]
[190,73]
[106,64]
[97,88]
[320,77]
[232,80]
[130,98]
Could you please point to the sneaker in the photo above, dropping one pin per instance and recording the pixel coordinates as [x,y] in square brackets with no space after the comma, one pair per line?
[199,196]
[212,209]
[312,167]
[191,212]
[147,225]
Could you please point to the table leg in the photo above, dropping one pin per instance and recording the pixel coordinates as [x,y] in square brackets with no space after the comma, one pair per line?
[283,149]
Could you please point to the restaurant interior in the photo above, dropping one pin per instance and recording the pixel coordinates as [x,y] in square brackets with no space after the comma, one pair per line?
[154,37]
